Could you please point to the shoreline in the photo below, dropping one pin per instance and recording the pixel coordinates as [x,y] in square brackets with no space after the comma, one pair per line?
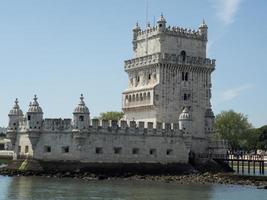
[198,178]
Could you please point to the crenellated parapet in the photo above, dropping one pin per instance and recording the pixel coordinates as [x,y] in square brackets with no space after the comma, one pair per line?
[57,124]
[168,58]
[142,34]
[136,128]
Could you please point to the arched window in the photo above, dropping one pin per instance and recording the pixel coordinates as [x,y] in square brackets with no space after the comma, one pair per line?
[141,97]
[134,97]
[137,97]
[149,76]
[183,54]
[186,76]
[144,96]
[148,95]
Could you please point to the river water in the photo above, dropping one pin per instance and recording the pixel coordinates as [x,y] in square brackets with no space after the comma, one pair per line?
[41,188]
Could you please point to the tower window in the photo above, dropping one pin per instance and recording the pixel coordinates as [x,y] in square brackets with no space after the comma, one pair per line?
[81,118]
[27,149]
[117,150]
[184,76]
[169,152]
[99,150]
[135,151]
[47,149]
[186,96]
[65,149]
[183,54]
[153,152]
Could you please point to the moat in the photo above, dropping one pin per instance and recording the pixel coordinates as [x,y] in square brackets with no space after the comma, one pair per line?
[24,188]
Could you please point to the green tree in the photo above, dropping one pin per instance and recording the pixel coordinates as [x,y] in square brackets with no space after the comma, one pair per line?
[262,137]
[111,115]
[233,127]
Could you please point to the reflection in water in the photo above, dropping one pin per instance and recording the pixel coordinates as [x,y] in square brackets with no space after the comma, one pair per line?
[39,188]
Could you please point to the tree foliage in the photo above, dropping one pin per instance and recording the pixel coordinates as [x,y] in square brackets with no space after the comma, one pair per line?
[233,127]
[262,137]
[111,115]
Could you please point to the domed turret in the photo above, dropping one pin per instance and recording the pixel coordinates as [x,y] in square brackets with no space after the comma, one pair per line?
[34,106]
[161,23]
[81,115]
[15,115]
[203,29]
[136,29]
[185,121]
[34,115]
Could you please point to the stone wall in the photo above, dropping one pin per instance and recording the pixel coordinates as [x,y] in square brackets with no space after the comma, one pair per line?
[109,143]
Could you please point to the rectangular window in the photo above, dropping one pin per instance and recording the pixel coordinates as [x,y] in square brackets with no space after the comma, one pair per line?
[47,149]
[135,151]
[26,149]
[99,150]
[169,152]
[81,118]
[19,149]
[29,117]
[65,149]
[153,152]
[117,150]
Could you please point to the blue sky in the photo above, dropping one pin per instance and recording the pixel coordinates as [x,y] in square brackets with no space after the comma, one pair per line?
[58,49]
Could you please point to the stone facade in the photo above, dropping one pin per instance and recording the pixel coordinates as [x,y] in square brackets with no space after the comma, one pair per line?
[94,141]
[167,109]
[170,72]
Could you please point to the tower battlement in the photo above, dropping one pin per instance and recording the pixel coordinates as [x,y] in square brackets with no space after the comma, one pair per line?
[169,39]
[142,34]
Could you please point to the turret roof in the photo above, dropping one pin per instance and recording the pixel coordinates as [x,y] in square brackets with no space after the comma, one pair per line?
[81,108]
[34,106]
[16,109]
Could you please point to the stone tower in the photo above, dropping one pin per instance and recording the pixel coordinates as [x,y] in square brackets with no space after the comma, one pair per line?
[170,72]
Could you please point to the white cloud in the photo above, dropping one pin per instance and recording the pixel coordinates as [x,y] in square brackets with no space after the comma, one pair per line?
[226,9]
[233,93]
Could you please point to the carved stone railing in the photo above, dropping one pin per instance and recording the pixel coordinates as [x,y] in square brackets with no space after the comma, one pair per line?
[168,58]
[141,61]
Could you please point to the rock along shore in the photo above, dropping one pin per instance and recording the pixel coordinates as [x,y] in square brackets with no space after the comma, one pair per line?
[198,178]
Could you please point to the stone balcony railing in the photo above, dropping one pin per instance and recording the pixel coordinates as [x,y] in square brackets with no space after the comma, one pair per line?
[141,61]
[169,58]
[133,104]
